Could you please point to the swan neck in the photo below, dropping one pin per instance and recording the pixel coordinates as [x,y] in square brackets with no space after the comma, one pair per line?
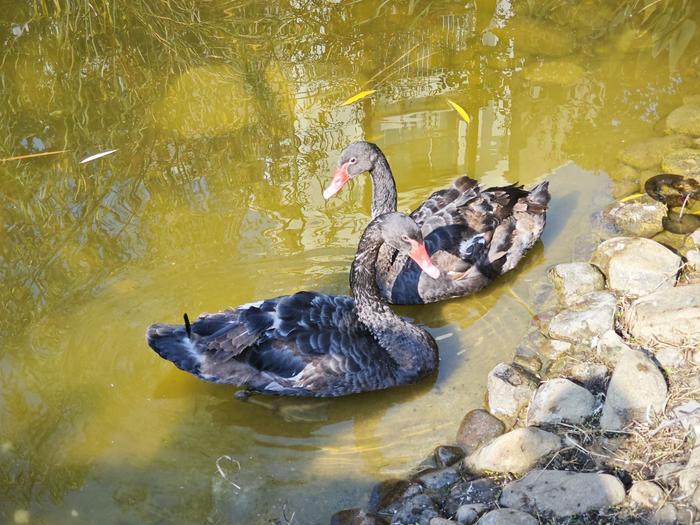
[383,187]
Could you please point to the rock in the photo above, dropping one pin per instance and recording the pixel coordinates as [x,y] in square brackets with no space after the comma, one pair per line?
[623,172]
[439,479]
[477,428]
[689,476]
[591,317]
[636,387]
[670,317]
[688,414]
[684,119]
[649,154]
[556,72]
[666,515]
[683,162]
[507,517]
[589,374]
[468,514]
[514,452]
[416,510]
[482,491]
[646,494]
[563,493]
[442,521]
[641,217]
[446,455]
[669,356]
[571,280]
[668,471]
[509,390]
[560,400]
[624,188]
[691,99]
[387,492]
[611,347]
[356,517]
[539,344]
[635,266]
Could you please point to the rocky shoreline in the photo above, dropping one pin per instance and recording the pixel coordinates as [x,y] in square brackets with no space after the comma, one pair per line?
[597,417]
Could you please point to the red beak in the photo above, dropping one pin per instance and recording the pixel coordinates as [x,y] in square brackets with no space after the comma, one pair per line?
[419,254]
[339,179]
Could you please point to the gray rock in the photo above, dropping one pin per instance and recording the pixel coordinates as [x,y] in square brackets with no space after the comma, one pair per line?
[683,162]
[670,317]
[515,452]
[560,400]
[387,492]
[509,390]
[636,388]
[442,521]
[563,493]
[642,217]
[684,119]
[669,356]
[468,514]
[611,347]
[571,280]
[589,373]
[483,491]
[668,471]
[507,517]
[689,476]
[535,342]
[666,515]
[356,517]
[636,266]
[648,154]
[446,455]
[439,479]
[591,317]
[477,428]
[416,510]
[646,494]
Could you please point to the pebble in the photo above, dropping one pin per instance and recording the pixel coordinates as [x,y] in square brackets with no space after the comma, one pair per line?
[483,491]
[509,390]
[507,517]
[636,266]
[640,217]
[447,455]
[670,317]
[468,514]
[439,479]
[560,400]
[477,428]
[610,347]
[571,280]
[684,162]
[537,343]
[589,374]
[418,509]
[356,517]
[684,119]
[666,515]
[649,154]
[636,388]
[591,317]
[563,493]
[515,452]
[387,492]
[646,494]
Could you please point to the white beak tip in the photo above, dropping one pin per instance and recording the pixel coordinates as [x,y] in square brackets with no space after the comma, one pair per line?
[433,272]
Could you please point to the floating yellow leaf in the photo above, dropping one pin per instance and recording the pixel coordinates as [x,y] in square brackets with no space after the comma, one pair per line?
[459,109]
[359,96]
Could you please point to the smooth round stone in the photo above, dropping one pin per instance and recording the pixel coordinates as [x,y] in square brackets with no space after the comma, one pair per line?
[468,514]
[477,428]
[684,162]
[646,494]
[650,153]
[447,455]
[387,492]
[507,517]
[684,119]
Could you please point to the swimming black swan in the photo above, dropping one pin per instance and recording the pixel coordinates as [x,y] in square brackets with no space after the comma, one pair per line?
[473,236]
[312,344]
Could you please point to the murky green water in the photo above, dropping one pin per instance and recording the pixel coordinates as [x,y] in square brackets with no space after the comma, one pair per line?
[227,122]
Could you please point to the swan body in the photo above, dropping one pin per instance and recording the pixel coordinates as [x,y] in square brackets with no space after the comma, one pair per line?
[473,235]
[309,343]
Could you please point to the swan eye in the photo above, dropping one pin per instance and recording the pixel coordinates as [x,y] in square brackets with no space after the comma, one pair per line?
[353,160]
[406,238]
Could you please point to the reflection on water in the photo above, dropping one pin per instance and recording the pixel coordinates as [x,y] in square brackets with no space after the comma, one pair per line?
[227,124]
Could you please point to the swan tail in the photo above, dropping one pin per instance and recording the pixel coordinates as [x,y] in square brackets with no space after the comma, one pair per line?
[538,198]
[174,343]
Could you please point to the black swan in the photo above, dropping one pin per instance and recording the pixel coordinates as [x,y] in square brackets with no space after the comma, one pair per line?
[473,236]
[312,344]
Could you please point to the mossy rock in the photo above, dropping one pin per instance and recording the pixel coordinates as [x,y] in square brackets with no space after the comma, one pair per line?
[684,119]
[650,153]
[684,162]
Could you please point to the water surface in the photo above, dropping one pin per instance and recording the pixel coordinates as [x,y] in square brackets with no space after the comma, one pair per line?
[227,122]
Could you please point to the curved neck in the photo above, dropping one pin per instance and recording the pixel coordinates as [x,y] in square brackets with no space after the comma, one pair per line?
[412,348]
[383,187]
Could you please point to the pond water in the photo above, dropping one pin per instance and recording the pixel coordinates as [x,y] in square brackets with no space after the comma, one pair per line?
[227,122]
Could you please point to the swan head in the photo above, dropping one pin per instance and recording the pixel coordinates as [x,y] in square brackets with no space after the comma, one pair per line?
[356,159]
[402,233]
